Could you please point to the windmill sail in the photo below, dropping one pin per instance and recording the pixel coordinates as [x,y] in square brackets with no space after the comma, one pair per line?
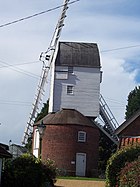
[47,58]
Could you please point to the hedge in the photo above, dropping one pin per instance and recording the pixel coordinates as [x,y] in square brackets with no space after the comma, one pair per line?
[117,162]
[130,174]
[26,170]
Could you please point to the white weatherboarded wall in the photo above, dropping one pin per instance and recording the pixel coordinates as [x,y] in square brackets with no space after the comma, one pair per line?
[86,90]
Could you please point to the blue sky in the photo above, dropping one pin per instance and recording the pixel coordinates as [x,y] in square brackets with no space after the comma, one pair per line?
[110,24]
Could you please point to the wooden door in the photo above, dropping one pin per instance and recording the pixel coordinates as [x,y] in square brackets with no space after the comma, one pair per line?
[80,164]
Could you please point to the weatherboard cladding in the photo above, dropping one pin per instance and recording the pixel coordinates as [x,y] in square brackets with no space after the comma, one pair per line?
[78,54]
[85,99]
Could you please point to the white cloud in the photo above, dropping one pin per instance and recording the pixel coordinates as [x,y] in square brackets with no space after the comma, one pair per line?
[116,85]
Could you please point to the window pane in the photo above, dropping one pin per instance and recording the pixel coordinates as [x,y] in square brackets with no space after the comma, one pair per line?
[70,69]
[69,89]
[81,136]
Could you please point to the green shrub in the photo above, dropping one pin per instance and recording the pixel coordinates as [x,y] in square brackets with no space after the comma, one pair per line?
[130,175]
[117,162]
[50,170]
[28,171]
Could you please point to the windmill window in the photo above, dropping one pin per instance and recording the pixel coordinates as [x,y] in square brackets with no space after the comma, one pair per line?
[70,90]
[70,69]
[81,136]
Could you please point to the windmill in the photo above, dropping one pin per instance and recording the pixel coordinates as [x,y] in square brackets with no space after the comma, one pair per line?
[48,58]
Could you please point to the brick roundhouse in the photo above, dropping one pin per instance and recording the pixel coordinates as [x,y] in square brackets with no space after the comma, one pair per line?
[71,140]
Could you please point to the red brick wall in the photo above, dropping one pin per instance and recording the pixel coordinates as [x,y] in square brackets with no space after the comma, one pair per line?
[60,144]
[133,129]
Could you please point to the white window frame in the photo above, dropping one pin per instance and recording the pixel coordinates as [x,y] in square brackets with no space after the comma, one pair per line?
[61,75]
[70,89]
[81,136]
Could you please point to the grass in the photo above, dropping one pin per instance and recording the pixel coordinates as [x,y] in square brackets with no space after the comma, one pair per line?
[81,178]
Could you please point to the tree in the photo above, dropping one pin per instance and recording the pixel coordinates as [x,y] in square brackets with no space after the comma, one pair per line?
[28,145]
[133,102]
[106,149]
[44,111]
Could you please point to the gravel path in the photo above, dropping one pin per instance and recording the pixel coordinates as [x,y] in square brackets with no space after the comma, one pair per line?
[79,183]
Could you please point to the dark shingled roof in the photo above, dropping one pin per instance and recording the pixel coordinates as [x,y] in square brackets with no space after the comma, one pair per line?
[4,153]
[78,54]
[66,117]
[21,148]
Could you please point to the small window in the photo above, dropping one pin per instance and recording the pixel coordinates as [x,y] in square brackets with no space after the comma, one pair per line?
[70,69]
[70,89]
[81,136]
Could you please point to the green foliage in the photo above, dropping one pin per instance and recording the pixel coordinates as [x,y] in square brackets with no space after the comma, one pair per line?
[130,174]
[117,162]
[44,111]
[80,178]
[133,102]
[50,169]
[27,171]
[106,149]
[28,145]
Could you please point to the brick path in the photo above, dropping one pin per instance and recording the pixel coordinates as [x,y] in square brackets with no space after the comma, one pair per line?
[78,183]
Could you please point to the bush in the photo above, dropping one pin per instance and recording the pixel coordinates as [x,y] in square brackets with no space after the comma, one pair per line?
[130,175]
[28,171]
[50,170]
[117,162]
